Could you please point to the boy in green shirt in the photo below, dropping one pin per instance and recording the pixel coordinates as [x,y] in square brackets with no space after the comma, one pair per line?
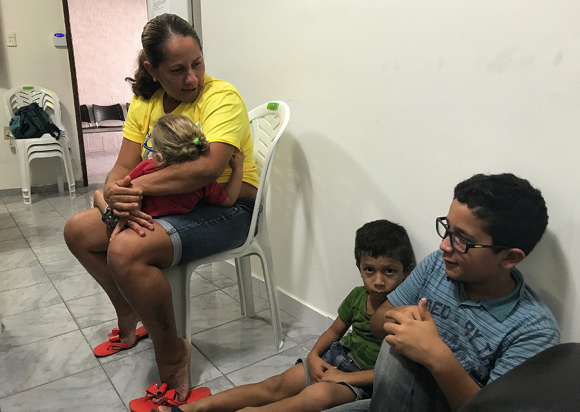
[339,368]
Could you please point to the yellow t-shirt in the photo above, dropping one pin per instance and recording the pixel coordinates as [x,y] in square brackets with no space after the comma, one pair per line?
[220,110]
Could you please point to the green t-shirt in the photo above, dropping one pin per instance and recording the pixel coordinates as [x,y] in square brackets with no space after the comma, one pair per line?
[362,345]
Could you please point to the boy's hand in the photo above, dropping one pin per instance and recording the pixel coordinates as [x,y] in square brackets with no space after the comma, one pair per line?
[237,160]
[409,310]
[334,375]
[417,339]
[317,367]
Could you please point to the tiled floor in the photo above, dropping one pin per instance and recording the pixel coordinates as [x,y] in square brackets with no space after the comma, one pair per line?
[53,313]
[99,164]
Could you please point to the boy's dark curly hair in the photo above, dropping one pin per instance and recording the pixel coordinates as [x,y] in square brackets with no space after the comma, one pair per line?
[514,212]
[384,238]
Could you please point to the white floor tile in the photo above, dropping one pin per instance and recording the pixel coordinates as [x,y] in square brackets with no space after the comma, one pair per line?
[35,325]
[238,344]
[28,366]
[88,391]
[46,343]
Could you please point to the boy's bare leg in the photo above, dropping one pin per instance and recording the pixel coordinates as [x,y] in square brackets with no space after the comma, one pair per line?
[276,388]
[314,398]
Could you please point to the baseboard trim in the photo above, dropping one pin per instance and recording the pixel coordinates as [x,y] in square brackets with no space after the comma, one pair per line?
[38,189]
[288,303]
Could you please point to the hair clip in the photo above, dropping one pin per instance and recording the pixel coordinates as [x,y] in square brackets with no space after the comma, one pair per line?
[196,141]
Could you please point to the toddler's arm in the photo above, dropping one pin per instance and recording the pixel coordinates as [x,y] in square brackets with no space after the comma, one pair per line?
[99,201]
[316,366]
[235,184]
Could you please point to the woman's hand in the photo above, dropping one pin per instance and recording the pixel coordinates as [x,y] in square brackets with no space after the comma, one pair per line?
[317,367]
[237,160]
[138,220]
[122,197]
[120,226]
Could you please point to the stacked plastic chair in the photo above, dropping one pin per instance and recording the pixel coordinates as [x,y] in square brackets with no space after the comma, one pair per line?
[44,146]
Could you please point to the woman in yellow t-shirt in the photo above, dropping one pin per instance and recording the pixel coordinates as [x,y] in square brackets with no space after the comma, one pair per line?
[170,79]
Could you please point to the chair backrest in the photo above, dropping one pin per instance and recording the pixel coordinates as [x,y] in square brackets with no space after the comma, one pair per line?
[24,95]
[112,113]
[267,124]
[85,116]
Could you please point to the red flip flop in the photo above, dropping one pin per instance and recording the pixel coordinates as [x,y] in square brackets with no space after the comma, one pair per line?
[114,344]
[193,395]
[159,395]
[153,398]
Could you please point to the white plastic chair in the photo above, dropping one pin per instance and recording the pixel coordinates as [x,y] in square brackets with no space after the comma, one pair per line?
[268,123]
[44,146]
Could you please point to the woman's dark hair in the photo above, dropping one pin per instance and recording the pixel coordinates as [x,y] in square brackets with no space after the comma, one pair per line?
[513,210]
[154,38]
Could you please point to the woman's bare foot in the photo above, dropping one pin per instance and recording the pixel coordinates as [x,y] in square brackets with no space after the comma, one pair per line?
[127,324]
[175,372]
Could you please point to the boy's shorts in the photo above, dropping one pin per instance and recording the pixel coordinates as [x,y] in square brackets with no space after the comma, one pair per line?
[338,356]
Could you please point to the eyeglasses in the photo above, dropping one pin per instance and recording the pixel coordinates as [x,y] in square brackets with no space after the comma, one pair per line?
[146,146]
[457,242]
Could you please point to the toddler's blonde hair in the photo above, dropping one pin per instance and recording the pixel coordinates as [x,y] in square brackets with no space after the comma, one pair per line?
[177,139]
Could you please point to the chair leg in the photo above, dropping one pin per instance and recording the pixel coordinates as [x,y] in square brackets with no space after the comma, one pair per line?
[68,169]
[244,273]
[179,279]
[59,176]
[266,260]
[24,172]
[179,282]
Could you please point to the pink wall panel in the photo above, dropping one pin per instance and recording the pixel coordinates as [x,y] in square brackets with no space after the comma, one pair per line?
[106,37]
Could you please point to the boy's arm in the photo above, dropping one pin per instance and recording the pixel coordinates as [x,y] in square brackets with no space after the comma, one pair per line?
[362,378]
[316,366]
[235,184]
[418,340]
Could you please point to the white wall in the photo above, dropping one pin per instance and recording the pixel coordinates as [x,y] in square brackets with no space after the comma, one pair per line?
[34,61]
[393,103]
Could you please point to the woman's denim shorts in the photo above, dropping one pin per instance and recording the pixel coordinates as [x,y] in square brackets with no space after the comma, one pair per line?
[338,356]
[207,229]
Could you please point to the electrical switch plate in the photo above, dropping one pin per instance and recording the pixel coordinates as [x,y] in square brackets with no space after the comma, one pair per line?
[11,39]
[6,133]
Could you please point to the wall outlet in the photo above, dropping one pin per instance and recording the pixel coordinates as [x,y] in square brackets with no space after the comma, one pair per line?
[11,39]
[6,133]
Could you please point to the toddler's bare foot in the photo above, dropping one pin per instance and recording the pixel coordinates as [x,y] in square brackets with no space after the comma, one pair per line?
[176,373]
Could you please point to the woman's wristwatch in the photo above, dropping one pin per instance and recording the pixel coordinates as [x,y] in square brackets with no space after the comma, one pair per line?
[109,218]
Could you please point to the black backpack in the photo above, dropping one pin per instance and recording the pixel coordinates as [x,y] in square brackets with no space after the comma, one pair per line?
[30,122]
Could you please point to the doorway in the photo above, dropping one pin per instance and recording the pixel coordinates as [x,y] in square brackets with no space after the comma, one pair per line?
[106,37]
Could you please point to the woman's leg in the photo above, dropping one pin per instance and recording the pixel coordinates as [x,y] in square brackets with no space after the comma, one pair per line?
[273,389]
[88,239]
[135,263]
[129,271]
